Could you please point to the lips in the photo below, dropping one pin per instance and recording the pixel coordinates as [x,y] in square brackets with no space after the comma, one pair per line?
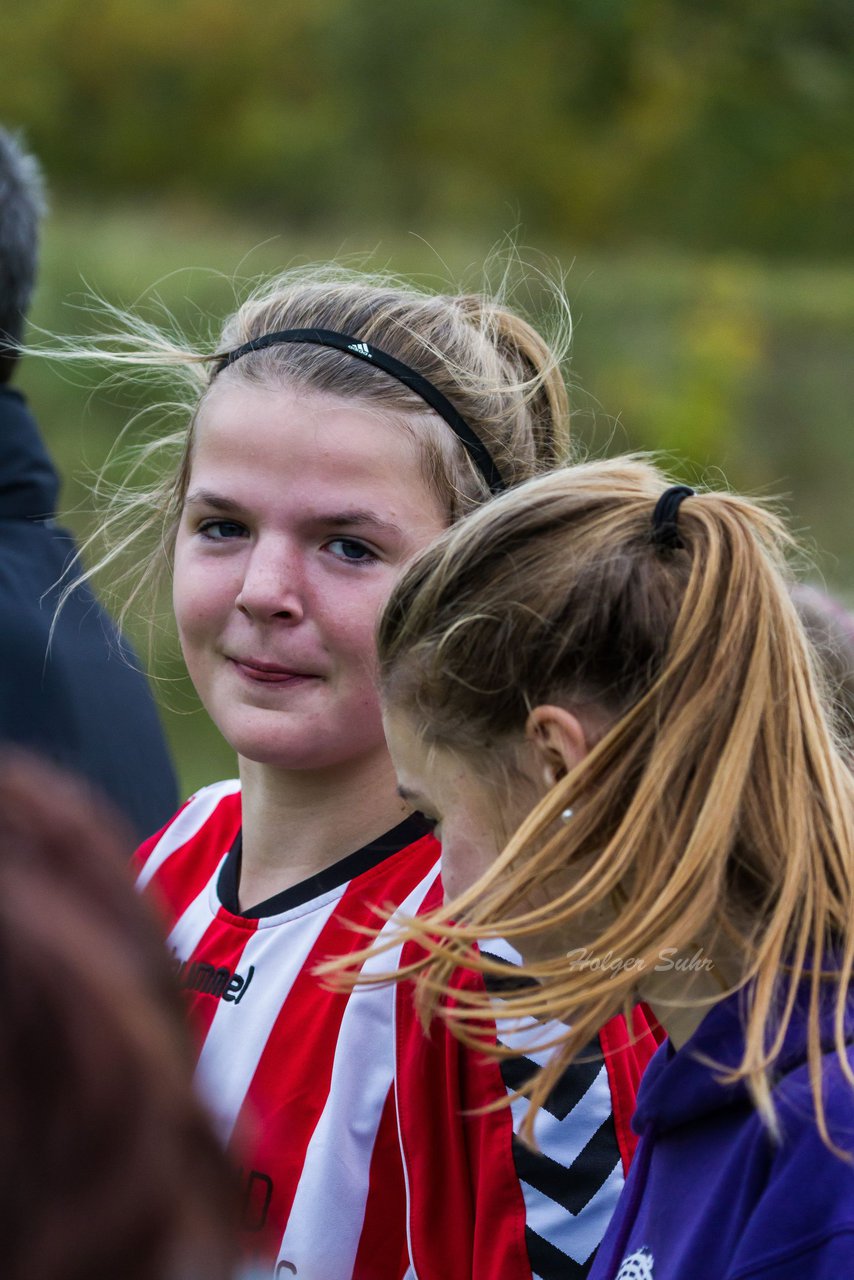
[269,672]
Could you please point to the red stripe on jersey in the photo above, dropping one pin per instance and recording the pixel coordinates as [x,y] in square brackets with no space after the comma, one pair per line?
[626,1057]
[220,947]
[284,1102]
[184,873]
[383,1252]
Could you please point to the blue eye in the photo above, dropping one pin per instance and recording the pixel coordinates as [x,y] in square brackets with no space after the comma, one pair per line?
[221,530]
[352,551]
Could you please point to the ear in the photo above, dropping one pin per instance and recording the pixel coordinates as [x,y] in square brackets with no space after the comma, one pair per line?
[558,739]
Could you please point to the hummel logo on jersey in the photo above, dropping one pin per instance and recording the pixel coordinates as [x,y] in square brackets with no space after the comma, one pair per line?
[360,348]
[221,983]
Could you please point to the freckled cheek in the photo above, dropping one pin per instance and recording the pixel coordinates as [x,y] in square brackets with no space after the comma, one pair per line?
[191,610]
[201,596]
[351,630]
[192,627]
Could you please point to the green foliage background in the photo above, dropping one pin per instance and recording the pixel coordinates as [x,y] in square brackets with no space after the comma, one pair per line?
[714,125]
[688,166]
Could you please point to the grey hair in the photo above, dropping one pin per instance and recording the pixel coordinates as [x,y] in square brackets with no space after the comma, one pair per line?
[22,204]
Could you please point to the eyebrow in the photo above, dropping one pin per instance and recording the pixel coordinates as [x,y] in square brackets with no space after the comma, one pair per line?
[206,498]
[356,518]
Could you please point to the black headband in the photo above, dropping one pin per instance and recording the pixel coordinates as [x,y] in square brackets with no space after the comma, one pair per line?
[475,448]
[664,531]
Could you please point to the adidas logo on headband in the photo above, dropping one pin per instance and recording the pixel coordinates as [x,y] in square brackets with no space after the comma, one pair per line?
[416,382]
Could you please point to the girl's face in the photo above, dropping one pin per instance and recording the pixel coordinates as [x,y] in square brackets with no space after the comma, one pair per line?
[301,510]
[472,821]
[475,815]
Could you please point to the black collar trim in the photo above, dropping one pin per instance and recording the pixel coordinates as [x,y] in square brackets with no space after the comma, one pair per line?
[355,864]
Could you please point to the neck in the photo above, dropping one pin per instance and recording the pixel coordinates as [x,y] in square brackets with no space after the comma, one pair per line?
[296,823]
[685,987]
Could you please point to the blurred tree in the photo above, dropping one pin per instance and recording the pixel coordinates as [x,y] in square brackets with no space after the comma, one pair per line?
[727,124]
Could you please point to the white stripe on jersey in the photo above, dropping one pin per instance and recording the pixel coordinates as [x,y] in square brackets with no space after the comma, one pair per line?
[347,1128]
[560,1140]
[188,823]
[501,949]
[191,927]
[564,1140]
[523,1035]
[238,1035]
[588,1226]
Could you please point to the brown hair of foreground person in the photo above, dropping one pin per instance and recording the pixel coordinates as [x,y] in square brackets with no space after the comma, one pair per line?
[110,1170]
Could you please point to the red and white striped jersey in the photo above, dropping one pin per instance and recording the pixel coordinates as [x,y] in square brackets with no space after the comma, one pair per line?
[364,1148]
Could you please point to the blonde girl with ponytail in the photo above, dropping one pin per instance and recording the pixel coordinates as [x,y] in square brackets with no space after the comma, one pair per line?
[337,424]
[599,689]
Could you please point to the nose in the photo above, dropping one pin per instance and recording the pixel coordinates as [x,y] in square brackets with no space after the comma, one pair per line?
[272,584]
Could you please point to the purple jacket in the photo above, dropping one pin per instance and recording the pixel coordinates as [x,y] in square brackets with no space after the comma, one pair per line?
[710,1195]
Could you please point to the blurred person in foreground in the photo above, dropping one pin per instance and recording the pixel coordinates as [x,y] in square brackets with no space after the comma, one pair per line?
[110,1170]
[75,696]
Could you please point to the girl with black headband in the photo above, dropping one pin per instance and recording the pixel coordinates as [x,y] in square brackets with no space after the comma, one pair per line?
[620,661]
[339,425]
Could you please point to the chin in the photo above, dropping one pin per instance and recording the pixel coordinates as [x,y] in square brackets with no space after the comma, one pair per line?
[296,757]
[298,744]
[278,755]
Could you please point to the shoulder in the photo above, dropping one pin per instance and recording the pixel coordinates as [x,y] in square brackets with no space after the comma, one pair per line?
[793,1099]
[803,1222]
[212,811]
[825,1256]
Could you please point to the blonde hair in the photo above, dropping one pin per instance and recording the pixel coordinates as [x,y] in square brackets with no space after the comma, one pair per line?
[714,805]
[497,371]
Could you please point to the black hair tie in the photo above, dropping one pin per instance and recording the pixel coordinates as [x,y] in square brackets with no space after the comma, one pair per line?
[664,528]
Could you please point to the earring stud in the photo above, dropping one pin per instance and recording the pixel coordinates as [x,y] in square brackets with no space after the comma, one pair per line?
[566,815]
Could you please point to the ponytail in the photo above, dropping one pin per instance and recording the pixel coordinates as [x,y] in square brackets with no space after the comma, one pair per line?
[537,367]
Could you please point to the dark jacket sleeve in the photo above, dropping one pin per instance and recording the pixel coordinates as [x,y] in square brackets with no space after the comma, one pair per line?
[76,697]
